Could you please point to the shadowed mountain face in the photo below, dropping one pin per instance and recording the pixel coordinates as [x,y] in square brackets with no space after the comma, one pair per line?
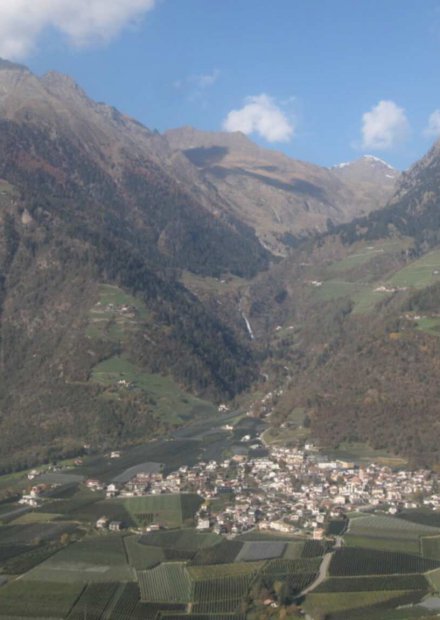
[125,262]
[87,202]
[280,197]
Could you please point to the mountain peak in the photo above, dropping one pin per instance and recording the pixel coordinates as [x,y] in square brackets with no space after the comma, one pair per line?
[8,65]
[377,160]
[361,161]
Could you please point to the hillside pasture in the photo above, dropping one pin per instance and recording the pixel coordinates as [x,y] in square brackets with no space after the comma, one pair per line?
[168,400]
[419,273]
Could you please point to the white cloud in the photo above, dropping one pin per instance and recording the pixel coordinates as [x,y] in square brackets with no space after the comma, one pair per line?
[261,115]
[433,128]
[196,85]
[384,126]
[83,22]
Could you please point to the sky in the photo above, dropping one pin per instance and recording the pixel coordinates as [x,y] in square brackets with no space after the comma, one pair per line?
[322,80]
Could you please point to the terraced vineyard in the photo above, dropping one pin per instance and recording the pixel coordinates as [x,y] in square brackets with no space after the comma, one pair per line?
[167,583]
[371,584]
[355,561]
[94,600]
[223,589]
[389,527]
[42,599]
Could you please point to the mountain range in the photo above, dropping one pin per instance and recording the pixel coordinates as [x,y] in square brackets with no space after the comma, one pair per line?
[146,276]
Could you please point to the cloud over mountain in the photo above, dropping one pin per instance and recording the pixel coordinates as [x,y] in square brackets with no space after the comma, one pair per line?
[83,22]
[261,115]
[433,128]
[384,126]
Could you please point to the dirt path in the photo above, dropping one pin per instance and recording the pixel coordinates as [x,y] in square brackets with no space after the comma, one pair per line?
[323,569]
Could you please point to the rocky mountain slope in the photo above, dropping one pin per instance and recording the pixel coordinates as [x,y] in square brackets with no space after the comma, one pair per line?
[138,276]
[86,204]
[282,198]
[353,325]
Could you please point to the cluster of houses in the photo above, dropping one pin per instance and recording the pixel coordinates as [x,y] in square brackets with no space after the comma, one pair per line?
[289,490]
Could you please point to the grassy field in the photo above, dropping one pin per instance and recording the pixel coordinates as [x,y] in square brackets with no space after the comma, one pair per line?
[168,400]
[359,452]
[419,273]
[43,599]
[334,289]
[362,254]
[429,325]
[36,516]
[109,318]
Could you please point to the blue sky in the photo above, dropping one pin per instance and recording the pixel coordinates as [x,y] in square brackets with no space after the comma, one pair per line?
[322,80]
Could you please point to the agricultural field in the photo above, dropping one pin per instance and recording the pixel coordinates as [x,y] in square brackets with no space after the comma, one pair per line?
[184,539]
[336,527]
[372,584]
[169,510]
[40,599]
[350,561]
[403,545]
[94,600]
[389,527]
[331,603]
[167,583]
[254,551]
[28,558]
[421,516]
[430,547]
[37,516]
[224,552]
[96,559]
[292,567]
[35,533]
[387,533]
[294,550]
